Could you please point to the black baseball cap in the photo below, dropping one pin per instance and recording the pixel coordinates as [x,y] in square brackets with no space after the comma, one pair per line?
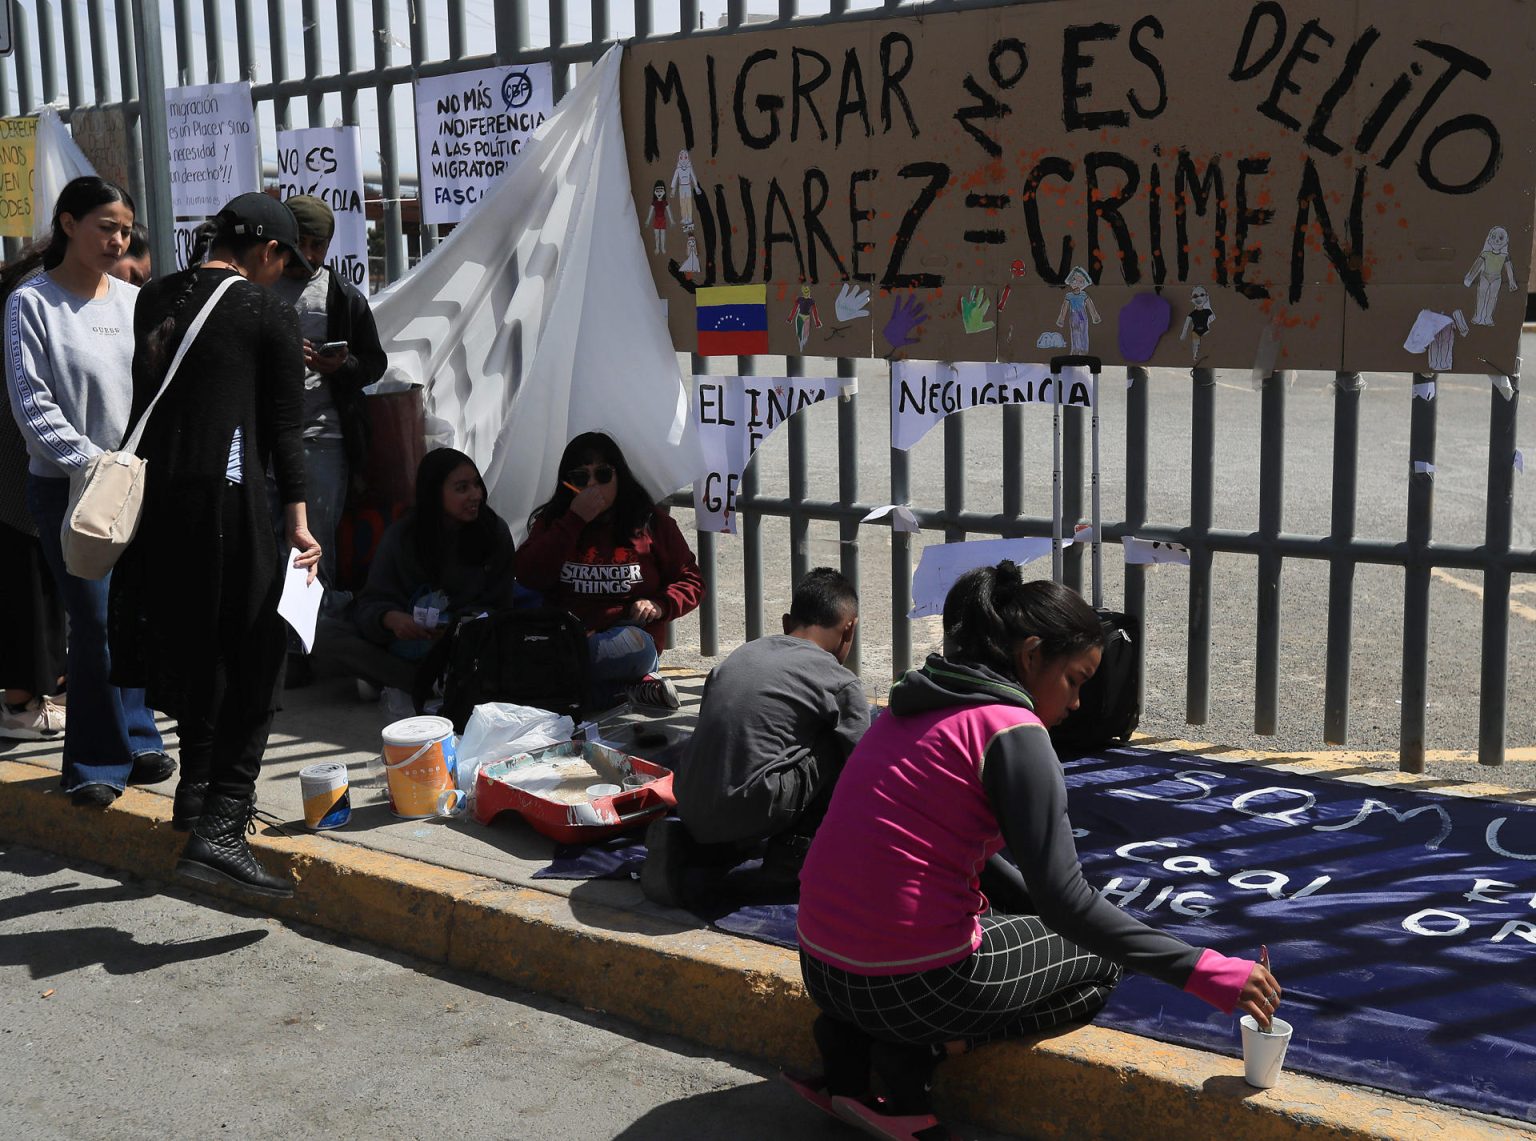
[259,215]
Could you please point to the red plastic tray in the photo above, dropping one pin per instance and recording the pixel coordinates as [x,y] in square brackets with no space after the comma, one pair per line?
[595,819]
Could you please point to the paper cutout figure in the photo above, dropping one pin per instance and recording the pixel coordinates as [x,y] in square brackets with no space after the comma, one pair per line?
[690,264]
[1519,462]
[1080,307]
[906,319]
[661,217]
[1150,552]
[802,312]
[1143,321]
[1049,340]
[902,518]
[973,310]
[852,302]
[1017,269]
[1435,333]
[1494,262]
[685,184]
[1200,319]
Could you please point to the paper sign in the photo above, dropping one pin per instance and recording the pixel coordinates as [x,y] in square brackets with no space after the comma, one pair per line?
[1519,462]
[902,518]
[943,563]
[734,414]
[299,604]
[1424,390]
[1420,467]
[214,149]
[327,162]
[470,127]
[18,151]
[924,392]
[1149,551]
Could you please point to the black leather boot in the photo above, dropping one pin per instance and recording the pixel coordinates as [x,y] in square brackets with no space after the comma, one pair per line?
[217,851]
[188,805]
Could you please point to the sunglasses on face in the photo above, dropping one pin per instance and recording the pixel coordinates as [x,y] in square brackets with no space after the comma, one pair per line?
[580,476]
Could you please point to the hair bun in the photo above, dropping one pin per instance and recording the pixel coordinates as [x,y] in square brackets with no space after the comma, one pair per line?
[1007,575]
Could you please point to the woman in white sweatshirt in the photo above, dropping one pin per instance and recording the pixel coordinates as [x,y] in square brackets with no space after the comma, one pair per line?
[69,376]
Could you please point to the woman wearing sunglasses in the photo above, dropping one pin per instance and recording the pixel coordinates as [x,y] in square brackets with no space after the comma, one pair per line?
[600,548]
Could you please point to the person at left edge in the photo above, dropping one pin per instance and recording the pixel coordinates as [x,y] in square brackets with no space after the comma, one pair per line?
[194,599]
[331,312]
[69,347]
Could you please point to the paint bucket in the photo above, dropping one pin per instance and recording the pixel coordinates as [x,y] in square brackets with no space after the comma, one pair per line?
[327,799]
[419,761]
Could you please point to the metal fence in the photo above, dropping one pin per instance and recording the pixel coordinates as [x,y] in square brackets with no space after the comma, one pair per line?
[349,72]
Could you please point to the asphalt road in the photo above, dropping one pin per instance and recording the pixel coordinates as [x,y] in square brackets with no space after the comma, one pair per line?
[1375,713]
[135,1011]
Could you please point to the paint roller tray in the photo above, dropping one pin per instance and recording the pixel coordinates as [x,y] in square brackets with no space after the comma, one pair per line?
[549,789]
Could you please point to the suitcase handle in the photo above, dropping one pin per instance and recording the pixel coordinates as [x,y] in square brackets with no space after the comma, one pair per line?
[1092,364]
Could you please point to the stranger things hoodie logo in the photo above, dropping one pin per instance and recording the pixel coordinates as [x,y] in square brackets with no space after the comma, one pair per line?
[610,578]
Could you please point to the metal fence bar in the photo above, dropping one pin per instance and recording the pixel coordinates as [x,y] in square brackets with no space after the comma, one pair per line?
[750,523]
[1073,423]
[389,166]
[1341,570]
[1494,691]
[1266,696]
[74,80]
[901,567]
[181,22]
[799,484]
[96,34]
[954,478]
[47,55]
[314,102]
[1202,482]
[155,203]
[848,492]
[213,33]
[1421,503]
[1138,383]
[709,611]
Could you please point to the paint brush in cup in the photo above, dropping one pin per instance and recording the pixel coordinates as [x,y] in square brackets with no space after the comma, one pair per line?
[1264,962]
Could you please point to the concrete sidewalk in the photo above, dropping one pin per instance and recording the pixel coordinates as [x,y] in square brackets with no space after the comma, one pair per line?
[458,893]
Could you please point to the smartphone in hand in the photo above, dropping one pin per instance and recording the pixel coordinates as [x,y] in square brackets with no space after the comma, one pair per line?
[332,349]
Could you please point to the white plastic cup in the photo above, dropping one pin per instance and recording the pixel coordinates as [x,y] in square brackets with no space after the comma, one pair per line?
[1264,1054]
[596,790]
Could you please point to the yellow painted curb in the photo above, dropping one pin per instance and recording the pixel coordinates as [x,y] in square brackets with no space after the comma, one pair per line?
[729,993]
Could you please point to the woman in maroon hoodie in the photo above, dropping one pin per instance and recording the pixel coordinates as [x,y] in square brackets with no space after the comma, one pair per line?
[600,548]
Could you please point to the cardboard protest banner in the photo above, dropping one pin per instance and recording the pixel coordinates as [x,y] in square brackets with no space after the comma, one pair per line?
[215,153]
[18,153]
[734,414]
[470,127]
[924,392]
[1298,179]
[327,162]
[102,134]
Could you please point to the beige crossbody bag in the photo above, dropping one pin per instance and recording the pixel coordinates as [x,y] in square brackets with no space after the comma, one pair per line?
[107,495]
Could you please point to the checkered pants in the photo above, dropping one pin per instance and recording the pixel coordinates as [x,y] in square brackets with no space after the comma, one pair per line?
[1023,978]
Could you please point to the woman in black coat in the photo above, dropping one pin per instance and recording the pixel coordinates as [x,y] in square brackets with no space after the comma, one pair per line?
[194,600]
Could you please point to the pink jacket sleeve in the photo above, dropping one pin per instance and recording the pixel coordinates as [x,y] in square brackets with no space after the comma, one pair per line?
[1219,980]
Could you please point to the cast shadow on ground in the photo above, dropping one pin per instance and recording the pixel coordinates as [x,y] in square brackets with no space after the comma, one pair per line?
[47,954]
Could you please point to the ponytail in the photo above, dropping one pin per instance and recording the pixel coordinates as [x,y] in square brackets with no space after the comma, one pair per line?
[159,339]
[991,610]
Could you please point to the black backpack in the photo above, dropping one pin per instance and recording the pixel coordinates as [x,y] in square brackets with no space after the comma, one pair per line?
[1109,706]
[532,657]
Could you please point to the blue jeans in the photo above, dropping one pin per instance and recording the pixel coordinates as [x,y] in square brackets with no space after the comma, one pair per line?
[105,726]
[616,659]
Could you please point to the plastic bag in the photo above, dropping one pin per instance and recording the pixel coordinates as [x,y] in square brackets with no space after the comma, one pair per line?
[498,730]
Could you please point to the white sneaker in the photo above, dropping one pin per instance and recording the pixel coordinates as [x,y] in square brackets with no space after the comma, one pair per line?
[38,720]
[655,691]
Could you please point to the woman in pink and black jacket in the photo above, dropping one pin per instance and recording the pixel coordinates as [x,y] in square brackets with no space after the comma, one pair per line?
[899,946]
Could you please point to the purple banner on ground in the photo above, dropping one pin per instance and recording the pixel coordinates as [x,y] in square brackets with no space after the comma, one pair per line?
[1401,925]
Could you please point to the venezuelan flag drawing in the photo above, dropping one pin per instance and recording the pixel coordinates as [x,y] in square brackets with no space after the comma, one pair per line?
[733,320]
